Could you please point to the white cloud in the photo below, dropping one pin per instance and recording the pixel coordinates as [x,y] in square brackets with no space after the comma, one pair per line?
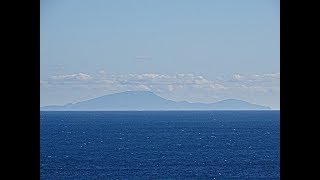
[170,83]
[257,77]
[160,83]
[78,76]
[237,77]
[260,83]
[102,72]
[143,57]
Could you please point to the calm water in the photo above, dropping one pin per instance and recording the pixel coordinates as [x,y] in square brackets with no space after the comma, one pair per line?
[160,145]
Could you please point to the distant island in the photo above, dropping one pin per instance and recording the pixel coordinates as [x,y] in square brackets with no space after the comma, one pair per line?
[146,100]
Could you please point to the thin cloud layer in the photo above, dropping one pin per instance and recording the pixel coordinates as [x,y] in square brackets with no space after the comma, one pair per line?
[256,82]
[161,82]
[154,82]
[143,58]
[72,77]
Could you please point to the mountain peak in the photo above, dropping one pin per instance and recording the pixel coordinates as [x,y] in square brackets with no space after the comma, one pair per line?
[137,93]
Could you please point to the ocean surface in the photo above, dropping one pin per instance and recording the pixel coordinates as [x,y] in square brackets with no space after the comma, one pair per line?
[160,145]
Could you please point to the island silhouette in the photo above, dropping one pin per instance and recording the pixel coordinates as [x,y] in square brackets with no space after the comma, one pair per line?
[146,100]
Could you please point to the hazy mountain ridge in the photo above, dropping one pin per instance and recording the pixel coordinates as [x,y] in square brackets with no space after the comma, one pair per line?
[145,100]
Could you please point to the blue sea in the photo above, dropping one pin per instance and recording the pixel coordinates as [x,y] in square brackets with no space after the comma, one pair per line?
[160,145]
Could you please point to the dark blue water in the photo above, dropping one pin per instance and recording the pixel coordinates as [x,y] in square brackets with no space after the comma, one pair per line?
[160,145]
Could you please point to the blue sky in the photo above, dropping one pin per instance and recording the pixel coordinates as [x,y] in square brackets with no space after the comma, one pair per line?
[198,51]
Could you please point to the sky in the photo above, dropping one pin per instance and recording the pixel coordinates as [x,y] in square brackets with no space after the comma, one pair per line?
[182,50]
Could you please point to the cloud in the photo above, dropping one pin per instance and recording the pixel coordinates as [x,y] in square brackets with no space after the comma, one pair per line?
[256,77]
[158,82]
[261,83]
[237,77]
[143,57]
[102,72]
[170,83]
[73,77]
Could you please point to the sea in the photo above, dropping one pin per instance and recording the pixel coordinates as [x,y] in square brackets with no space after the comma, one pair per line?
[160,144]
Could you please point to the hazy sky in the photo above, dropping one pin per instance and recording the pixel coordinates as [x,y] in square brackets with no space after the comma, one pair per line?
[198,51]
